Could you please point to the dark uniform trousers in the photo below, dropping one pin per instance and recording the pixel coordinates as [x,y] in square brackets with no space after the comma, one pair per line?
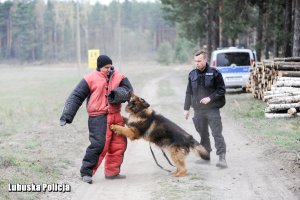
[210,118]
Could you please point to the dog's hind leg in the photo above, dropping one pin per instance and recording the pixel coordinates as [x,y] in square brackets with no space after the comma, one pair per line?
[178,156]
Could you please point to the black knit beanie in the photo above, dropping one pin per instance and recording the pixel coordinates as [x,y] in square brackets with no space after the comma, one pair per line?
[103,60]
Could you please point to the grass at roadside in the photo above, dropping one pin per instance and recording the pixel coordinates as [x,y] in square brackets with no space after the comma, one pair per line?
[190,187]
[34,149]
[249,112]
[31,100]
[165,88]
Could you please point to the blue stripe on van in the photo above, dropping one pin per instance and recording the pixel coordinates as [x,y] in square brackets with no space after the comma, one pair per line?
[239,69]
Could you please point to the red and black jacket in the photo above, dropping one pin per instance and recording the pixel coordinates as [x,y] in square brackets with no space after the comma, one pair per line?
[96,88]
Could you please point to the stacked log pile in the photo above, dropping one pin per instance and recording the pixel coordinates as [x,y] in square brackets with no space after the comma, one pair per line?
[261,78]
[277,83]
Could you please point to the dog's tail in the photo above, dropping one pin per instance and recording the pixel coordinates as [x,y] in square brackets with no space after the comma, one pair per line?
[199,150]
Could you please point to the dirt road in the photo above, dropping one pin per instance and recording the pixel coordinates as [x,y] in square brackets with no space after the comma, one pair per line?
[253,171]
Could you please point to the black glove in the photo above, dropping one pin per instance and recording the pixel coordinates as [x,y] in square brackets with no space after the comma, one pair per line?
[118,95]
[62,122]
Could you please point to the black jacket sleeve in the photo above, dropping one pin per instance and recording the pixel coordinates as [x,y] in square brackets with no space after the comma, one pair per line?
[121,94]
[74,101]
[220,88]
[125,83]
[188,96]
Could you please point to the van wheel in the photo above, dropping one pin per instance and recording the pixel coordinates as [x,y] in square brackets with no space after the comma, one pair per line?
[244,89]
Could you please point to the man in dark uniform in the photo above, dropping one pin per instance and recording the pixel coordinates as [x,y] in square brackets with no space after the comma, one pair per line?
[206,94]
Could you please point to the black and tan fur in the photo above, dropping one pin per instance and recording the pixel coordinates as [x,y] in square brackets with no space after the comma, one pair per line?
[144,123]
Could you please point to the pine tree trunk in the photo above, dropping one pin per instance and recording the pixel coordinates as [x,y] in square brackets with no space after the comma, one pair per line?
[259,43]
[280,115]
[288,28]
[216,27]
[296,41]
[284,106]
[289,73]
[209,31]
[221,39]
[9,34]
[285,100]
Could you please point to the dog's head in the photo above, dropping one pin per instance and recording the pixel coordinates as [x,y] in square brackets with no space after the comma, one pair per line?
[136,104]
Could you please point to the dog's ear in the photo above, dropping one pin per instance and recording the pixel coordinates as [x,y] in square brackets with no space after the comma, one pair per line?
[132,96]
[145,104]
[131,93]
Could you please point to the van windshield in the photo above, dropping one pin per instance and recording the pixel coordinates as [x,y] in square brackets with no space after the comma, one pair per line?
[233,58]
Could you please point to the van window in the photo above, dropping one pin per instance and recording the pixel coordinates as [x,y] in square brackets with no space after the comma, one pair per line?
[237,58]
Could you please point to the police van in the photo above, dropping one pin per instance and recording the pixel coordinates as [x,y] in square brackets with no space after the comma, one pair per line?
[234,64]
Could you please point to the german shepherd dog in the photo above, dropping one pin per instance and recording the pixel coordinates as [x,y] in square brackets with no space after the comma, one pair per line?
[143,122]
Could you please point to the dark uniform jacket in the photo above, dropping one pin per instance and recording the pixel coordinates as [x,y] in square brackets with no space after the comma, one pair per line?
[207,83]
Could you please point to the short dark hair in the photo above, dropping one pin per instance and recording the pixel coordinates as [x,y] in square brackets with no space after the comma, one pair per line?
[199,52]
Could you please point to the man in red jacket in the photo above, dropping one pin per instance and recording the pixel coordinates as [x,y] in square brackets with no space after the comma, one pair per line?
[105,90]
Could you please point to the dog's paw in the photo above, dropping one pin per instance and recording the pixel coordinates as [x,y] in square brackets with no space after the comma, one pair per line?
[174,172]
[113,128]
[180,173]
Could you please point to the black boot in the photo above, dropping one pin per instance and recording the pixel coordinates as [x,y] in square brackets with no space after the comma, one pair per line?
[222,162]
[118,176]
[87,179]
